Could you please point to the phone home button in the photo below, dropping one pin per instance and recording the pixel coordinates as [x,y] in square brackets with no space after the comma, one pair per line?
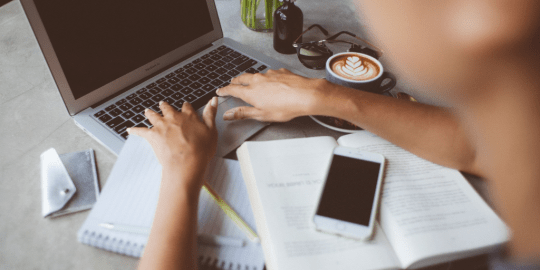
[340,226]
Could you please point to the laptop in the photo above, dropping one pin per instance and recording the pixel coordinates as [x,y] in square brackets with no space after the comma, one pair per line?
[112,59]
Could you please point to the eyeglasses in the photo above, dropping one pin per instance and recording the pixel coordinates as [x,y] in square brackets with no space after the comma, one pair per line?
[314,54]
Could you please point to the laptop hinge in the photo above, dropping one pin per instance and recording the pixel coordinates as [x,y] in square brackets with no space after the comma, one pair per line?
[150,76]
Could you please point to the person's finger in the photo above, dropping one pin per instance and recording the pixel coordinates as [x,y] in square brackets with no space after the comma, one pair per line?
[242,113]
[187,108]
[209,113]
[234,90]
[166,109]
[244,79]
[152,116]
[139,131]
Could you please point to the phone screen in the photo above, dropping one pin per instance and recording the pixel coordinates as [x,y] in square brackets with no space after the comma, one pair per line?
[350,190]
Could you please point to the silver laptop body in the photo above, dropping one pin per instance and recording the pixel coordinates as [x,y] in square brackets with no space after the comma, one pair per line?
[86,77]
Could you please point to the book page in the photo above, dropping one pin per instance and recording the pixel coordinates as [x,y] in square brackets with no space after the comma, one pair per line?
[428,210]
[289,176]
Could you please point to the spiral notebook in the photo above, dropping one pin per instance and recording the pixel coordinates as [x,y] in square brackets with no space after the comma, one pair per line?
[130,197]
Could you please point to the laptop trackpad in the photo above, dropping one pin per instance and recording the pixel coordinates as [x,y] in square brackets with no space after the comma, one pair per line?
[232,133]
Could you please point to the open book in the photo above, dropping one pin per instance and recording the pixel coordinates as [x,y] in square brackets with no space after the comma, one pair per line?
[428,214]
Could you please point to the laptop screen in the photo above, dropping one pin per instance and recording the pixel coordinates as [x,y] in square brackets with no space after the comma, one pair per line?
[98,41]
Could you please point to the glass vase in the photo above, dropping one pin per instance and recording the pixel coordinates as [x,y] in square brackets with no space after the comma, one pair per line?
[258,15]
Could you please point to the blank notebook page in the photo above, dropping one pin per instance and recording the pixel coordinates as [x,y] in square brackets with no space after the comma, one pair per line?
[130,197]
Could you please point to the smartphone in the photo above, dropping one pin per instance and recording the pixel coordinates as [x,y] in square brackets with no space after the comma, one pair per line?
[350,197]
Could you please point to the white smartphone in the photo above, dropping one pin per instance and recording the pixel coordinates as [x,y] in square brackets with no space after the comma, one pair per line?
[349,199]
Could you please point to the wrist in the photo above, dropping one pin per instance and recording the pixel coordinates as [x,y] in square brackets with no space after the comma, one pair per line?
[185,175]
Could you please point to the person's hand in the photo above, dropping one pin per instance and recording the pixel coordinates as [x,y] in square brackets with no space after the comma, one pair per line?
[277,96]
[181,141]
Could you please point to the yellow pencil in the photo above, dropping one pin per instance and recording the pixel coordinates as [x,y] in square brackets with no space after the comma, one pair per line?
[232,214]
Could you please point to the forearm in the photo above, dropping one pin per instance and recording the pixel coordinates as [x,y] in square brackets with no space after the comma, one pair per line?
[172,240]
[430,132]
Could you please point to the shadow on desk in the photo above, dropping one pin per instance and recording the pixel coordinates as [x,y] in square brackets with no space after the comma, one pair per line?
[3,2]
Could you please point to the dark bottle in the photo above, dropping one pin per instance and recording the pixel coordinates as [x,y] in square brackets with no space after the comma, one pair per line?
[288,25]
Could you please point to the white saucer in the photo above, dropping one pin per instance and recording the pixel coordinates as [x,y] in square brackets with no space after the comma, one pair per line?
[335,128]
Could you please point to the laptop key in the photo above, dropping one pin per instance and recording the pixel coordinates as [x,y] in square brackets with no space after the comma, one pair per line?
[110,108]
[169,100]
[170,75]
[164,85]
[191,70]
[195,85]
[188,66]
[115,112]
[213,75]
[196,61]
[178,105]
[120,102]
[115,122]
[214,52]
[204,99]
[219,63]
[152,85]
[145,96]
[156,108]
[177,96]
[176,87]
[204,80]
[227,59]
[222,47]
[136,101]
[221,71]
[131,96]
[185,82]
[154,90]
[225,77]
[190,98]
[225,51]
[234,54]
[100,113]
[229,66]
[194,77]
[143,125]
[126,107]
[211,68]
[173,80]
[203,72]
[138,109]
[148,103]
[208,88]
[121,128]
[215,57]
[180,70]
[124,135]
[161,80]
[128,114]
[207,62]
[238,61]
[246,65]
[225,84]
[216,82]
[205,56]
[104,118]
[199,93]
[140,91]
[158,98]
[167,92]
[199,66]
[138,118]
[233,73]
[182,75]
[147,122]
[261,68]
[250,70]
[186,90]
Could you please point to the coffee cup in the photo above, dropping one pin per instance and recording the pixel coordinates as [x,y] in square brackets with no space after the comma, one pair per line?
[359,71]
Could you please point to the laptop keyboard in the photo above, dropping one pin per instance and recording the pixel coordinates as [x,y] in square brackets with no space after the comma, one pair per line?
[195,82]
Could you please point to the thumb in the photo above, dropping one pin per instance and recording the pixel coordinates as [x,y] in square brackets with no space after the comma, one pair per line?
[209,113]
[139,131]
[242,113]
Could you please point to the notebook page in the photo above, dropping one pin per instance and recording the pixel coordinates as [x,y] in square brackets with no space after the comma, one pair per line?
[428,210]
[130,197]
[287,178]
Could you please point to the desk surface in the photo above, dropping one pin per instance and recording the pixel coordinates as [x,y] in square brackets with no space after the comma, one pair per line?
[33,119]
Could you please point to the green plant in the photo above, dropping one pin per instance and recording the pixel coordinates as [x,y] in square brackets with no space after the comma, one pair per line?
[248,13]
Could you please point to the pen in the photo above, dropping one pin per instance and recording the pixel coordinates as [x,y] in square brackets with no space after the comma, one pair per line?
[205,239]
[232,214]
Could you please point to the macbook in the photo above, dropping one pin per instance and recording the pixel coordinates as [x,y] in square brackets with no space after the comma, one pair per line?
[113,59]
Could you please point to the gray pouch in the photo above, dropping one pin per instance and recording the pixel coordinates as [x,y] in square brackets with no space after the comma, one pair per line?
[69,182]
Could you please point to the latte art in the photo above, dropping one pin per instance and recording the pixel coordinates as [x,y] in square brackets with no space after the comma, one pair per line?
[355,67]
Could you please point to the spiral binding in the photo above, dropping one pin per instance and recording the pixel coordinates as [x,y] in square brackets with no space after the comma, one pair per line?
[111,244]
